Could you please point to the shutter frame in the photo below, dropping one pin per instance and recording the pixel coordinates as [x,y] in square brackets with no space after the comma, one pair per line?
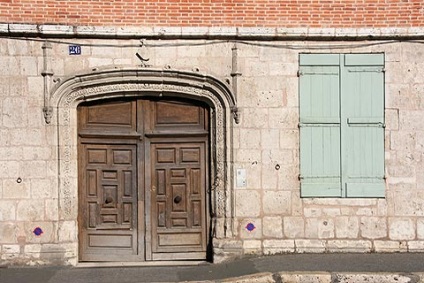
[363,125]
[319,130]
[355,127]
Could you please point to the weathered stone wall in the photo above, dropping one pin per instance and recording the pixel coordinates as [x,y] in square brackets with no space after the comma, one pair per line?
[266,145]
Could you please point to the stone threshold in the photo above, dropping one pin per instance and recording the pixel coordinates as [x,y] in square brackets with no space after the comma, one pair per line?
[224,33]
[140,263]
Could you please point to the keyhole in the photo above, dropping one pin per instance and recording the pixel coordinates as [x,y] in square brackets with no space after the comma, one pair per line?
[108,200]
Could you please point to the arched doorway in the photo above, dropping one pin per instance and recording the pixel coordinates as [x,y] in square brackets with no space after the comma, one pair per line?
[143,179]
[144,84]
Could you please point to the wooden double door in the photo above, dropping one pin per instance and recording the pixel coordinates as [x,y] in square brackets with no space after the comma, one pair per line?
[143,179]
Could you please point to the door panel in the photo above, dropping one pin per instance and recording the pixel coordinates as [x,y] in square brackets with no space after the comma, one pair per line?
[142,180]
[108,203]
[178,182]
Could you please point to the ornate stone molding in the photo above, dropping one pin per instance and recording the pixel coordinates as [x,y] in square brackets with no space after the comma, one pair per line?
[139,82]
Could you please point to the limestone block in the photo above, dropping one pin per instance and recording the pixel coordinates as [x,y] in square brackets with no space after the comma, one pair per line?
[30,210]
[29,66]
[269,177]
[310,246]
[289,139]
[253,178]
[409,202]
[292,87]
[248,155]
[392,119]
[250,138]
[297,205]
[7,210]
[192,52]
[37,153]
[247,231]
[270,139]
[8,232]
[99,62]
[14,189]
[34,169]
[10,249]
[354,246]
[321,228]
[382,207]
[252,247]
[9,169]
[282,157]
[256,69]
[10,65]
[420,228]
[403,140]
[272,226]
[236,137]
[347,227]
[340,202]
[48,235]
[15,111]
[366,211]
[312,212]
[411,120]
[303,277]
[416,246]
[288,177]
[373,227]
[41,188]
[390,246]
[294,227]
[283,118]
[277,202]
[28,136]
[248,203]
[11,153]
[33,248]
[278,246]
[255,118]
[331,211]
[225,249]
[68,231]
[401,229]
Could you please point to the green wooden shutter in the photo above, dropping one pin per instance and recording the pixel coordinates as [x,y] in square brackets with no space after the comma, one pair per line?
[319,125]
[362,117]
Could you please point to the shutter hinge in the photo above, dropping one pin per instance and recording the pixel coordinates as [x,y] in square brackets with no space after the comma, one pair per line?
[299,73]
[300,177]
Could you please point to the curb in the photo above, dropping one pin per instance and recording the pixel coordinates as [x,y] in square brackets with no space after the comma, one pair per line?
[323,277]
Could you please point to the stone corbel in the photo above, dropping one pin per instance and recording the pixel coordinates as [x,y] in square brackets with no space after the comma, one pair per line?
[236,114]
[47,74]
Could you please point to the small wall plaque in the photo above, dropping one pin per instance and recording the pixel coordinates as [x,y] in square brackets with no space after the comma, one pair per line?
[74,50]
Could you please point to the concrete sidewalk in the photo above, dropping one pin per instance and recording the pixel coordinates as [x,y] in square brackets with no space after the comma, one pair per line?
[322,268]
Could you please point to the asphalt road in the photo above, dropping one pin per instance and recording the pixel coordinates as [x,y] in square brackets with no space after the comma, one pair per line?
[396,263]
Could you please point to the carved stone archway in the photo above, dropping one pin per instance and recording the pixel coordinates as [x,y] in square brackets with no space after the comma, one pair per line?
[139,82]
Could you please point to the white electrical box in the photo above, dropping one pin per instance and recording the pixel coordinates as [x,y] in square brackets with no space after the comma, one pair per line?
[241,177]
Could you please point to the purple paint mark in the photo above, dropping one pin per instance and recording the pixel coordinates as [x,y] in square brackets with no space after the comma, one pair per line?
[250,227]
[38,231]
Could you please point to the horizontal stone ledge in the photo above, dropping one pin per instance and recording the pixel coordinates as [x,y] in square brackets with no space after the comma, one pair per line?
[248,33]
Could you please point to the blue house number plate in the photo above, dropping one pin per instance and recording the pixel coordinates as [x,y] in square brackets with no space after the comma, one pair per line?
[74,50]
